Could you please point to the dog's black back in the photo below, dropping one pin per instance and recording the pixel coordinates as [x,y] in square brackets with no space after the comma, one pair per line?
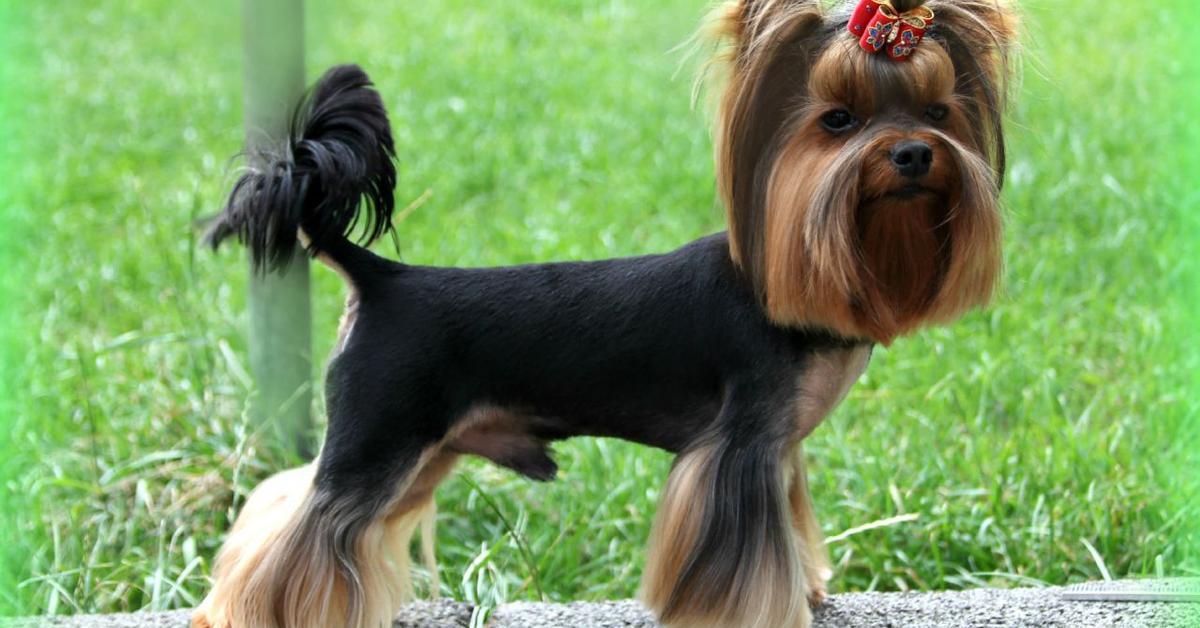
[640,348]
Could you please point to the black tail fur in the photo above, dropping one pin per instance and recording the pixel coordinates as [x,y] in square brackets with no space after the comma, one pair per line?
[338,153]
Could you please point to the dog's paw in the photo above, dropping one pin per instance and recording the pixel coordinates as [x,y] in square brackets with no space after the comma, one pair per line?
[200,620]
[817,595]
[818,586]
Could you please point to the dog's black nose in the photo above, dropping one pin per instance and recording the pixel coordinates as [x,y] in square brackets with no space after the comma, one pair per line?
[912,158]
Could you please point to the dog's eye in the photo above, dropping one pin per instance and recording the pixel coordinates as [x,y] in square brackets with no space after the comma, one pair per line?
[936,113]
[838,121]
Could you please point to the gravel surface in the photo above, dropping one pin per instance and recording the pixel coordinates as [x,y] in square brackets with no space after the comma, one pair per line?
[993,608]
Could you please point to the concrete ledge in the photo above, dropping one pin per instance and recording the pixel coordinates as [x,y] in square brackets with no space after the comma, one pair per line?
[982,607]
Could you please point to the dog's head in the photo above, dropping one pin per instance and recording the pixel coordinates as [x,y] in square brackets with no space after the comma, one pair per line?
[862,186]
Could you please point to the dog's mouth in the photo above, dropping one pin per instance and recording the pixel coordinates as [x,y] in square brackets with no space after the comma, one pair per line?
[905,193]
[912,190]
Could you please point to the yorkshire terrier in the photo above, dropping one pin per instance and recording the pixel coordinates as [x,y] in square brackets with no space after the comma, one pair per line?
[859,156]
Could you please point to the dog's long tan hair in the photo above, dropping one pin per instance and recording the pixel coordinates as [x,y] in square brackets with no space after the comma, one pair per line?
[810,222]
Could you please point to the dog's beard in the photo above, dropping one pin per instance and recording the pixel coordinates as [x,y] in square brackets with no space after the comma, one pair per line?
[904,245]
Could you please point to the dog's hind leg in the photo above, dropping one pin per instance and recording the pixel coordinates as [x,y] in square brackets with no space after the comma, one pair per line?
[333,551]
[417,510]
[267,513]
[323,553]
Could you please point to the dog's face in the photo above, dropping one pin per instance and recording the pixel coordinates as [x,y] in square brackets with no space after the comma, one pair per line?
[862,191]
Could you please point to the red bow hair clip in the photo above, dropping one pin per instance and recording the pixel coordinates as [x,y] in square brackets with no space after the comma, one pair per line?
[879,26]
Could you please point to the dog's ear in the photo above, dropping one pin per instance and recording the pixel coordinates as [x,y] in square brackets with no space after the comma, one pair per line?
[989,26]
[981,38]
[745,22]
[769,48]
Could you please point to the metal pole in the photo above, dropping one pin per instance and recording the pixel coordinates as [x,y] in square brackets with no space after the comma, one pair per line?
[280,308]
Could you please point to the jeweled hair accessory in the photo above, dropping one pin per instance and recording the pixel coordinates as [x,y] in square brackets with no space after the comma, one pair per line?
[879,26]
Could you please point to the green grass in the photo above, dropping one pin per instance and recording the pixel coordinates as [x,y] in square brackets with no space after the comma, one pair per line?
[1048,439]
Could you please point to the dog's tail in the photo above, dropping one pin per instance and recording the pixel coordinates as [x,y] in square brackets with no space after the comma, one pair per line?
[337,156]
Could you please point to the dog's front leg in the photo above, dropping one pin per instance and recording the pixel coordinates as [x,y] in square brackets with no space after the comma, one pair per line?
[724,550]
[825,378]
[814,555]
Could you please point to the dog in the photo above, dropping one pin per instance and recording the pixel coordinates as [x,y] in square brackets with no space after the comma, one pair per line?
[859,156]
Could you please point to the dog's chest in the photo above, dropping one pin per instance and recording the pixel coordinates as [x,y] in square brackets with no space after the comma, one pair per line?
[824,380]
